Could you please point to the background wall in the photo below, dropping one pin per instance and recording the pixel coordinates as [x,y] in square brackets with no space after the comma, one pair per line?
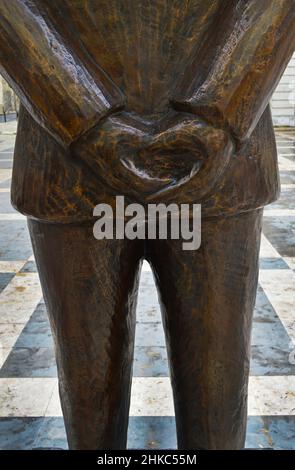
[283,100]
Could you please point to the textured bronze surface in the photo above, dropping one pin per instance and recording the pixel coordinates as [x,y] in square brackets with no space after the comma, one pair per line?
[177,71]
[207,299]
[90,290]
[159,101]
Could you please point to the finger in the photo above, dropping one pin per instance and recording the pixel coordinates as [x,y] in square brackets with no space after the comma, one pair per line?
[181,136]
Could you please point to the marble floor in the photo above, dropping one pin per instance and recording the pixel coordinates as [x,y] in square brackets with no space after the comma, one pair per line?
[30,415]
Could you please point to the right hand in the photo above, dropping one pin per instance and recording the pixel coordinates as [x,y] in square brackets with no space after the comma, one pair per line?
[109,149]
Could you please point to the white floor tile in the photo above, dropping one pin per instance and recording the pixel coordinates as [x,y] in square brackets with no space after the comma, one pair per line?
[288,135]
[288,186]
[25,396]
[290,262]
[279,286]
[54,408]
[151,396]
[267,250]
[9,332]
[19,298]
[279,212]
[5,174]
[273,395]
[285,164]
[12,216]
[4,352]
[11,266]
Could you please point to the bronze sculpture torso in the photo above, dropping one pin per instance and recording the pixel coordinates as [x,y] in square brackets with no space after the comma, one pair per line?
[155,52]
[159,101]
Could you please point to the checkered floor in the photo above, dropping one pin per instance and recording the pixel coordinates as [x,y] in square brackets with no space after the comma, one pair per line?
[30,415]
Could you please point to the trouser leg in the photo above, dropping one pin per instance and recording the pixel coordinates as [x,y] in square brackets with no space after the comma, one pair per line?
[207,298]
[90,290]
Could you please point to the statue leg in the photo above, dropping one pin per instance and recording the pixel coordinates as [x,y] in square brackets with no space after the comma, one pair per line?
[207,299]
[90,290]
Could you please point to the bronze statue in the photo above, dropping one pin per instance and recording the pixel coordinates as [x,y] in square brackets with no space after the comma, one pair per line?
[159,101]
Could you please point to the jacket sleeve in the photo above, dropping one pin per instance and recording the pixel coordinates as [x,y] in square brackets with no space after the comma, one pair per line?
[247,68]
[52,83]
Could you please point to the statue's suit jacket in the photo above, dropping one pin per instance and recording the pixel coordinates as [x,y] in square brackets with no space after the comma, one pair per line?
[75,62]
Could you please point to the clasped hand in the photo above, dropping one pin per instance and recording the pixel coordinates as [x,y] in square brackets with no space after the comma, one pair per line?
[153,161]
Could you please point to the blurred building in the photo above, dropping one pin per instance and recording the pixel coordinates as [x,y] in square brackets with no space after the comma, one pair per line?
[9,102]
[283,100]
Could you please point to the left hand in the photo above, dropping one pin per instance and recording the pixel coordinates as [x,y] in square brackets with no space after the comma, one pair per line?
[188,152]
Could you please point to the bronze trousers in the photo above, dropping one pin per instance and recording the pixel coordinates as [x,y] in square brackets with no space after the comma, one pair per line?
[207,299]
